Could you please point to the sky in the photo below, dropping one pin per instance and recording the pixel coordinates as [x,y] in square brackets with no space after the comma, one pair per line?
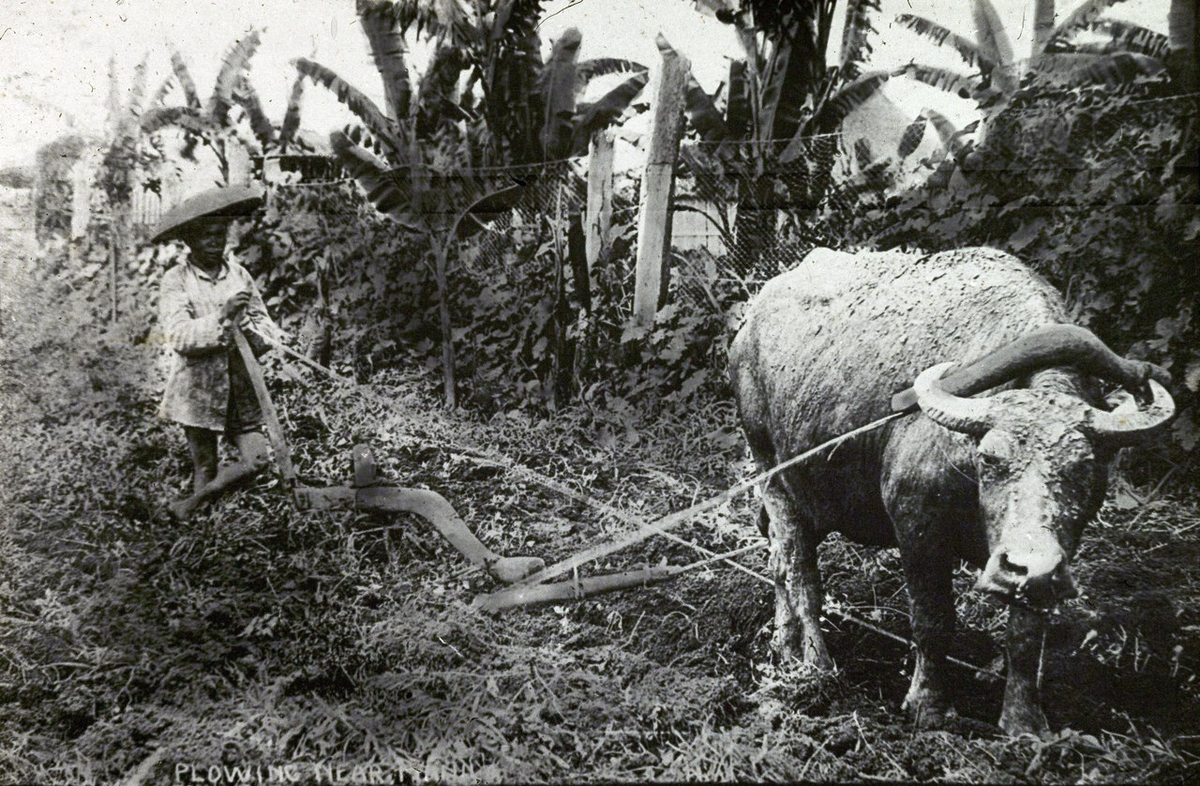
[54,53]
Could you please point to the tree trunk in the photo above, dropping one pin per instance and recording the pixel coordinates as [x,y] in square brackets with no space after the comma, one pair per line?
[441,251]
[1182,34]
[1043,25]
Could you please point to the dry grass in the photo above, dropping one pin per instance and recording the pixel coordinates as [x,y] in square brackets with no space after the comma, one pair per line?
[260,636]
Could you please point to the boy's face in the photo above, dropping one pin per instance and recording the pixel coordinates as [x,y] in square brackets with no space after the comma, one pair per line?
[206,238]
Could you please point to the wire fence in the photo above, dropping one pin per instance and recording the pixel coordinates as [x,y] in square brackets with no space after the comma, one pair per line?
[747,212]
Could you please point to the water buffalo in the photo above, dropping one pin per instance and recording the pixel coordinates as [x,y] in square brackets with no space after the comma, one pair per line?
[1005,481]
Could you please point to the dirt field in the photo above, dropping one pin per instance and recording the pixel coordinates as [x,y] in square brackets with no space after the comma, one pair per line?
[259,637]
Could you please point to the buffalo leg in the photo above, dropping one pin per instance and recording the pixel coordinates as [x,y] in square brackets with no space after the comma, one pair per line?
[927,572]
[1022,712]
[797,582]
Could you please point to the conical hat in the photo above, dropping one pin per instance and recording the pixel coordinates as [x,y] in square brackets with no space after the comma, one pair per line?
[229,202]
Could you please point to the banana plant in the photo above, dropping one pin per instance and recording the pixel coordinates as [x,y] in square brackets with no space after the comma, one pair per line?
[996,79]
[215,123]
[493,120]
[1176,50]
[418,156]
[996,75]
[782,108]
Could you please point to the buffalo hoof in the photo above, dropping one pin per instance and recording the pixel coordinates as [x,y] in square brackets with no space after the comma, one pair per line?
[798,650]
[511,569]
[799,687]
[928,710]
[806,661]
[178,511]
[1017,721]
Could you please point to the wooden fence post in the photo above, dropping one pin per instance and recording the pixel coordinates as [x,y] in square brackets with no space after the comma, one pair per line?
[241,169]
[654,204]
[599,196]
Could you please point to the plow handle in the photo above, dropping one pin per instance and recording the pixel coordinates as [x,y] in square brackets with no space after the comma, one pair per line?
[283,458]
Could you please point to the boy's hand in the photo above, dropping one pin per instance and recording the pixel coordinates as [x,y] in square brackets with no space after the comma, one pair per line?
[234,304]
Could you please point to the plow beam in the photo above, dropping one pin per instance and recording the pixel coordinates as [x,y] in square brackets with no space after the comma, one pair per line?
[564,591]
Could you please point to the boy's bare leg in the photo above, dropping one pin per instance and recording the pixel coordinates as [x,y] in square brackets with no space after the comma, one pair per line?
[202,445]
[252,459]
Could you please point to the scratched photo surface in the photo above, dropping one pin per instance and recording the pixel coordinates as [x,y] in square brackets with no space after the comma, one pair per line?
[522,391]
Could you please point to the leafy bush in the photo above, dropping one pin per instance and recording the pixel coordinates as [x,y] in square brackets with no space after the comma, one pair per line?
[330,267]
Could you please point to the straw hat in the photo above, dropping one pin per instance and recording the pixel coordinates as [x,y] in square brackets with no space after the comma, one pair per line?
[224,202]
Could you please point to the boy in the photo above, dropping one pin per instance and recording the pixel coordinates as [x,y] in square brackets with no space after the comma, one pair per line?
[201,303]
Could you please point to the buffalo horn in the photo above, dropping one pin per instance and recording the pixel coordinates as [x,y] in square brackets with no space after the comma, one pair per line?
[968,415]
[1053,345]
[1127,424]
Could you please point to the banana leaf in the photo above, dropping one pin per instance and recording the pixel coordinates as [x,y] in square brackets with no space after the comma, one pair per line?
[910,140]
[588,70]
[1043,24]
[737,108]
[856,45]
[773,80]
[968,50]
[717,8]
[183,117]
[291,117]
[232,70]
[245,96]
[162,92]
[386,39]
[375,179]
[487,207]
[360,136]
[437,92]
[557,88]
[186,83]
[606,110]
[364,108]
[1077,69]
[1083,16]
[862,153]
[947,132]
[439,18]
[1128,37]
[990,37]
[834,110]
[941,78]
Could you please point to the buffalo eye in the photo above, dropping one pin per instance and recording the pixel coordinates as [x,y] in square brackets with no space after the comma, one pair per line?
[996,451]
[991,462]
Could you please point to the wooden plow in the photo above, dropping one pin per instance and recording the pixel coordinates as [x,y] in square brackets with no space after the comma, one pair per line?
[369,493]
[528,575]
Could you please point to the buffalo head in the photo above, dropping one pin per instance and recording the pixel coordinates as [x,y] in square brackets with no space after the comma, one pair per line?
[1041,472]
